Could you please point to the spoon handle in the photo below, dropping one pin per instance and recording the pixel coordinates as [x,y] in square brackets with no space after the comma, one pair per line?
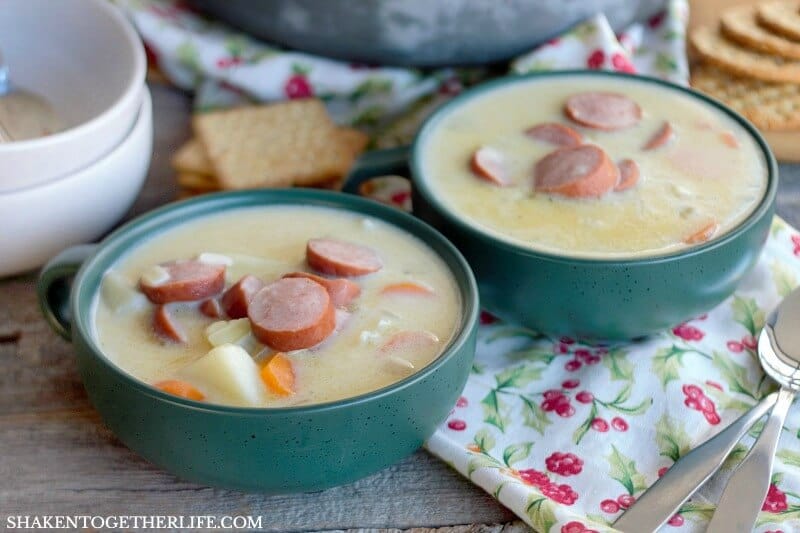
[745,491]
[657,505]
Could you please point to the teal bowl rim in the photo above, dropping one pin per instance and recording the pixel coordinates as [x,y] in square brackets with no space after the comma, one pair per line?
[130,234]
[420,182]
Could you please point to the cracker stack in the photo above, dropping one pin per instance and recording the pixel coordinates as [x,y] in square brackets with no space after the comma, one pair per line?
[293,143]
[751,62]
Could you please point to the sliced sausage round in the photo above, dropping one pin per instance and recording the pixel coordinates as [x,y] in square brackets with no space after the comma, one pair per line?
[211,308]
[184,281]
[604,111]
[341,258]
[579,171]
[238,296]
[342,291]
[490,164]
[628,174]
[166,326]
[555,133]
[291,314]
[662,137]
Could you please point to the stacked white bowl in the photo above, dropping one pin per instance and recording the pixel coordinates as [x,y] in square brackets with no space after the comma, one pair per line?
[86,59]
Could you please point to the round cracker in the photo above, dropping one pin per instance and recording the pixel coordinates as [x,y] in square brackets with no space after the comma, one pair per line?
[734,58]
[781,17]
[770,106]
[740,24]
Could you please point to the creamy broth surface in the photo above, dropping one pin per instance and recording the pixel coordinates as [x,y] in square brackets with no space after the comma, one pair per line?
[269,242]
[698,177]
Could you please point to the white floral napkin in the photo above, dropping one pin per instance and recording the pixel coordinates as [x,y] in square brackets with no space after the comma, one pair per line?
[566,435]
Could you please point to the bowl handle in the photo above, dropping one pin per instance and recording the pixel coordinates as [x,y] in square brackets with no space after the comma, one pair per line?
[378,163]
[53,287]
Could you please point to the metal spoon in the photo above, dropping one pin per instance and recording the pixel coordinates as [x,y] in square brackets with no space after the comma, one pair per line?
[23,114]
[779,354]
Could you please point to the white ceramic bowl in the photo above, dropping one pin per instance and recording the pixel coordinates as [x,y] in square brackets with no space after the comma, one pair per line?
[86,59]
[40,221]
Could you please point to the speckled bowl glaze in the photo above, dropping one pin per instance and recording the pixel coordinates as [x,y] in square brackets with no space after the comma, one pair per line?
[596,298]
[282,450]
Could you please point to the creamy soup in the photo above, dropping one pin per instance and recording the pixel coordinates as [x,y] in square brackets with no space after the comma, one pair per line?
[277,306]
[641,170]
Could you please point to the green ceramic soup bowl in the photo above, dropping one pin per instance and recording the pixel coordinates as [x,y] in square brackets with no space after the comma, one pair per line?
[596,298]
[305,448]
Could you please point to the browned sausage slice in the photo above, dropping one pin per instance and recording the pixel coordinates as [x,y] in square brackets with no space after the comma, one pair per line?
[663,136]
[342,291]
[291,314]
[490,164]
[555,133]
[165,325]
[237,298]
[579,171]
[628,174]
[211,308]
[184,281]
[604,111]
[341,258]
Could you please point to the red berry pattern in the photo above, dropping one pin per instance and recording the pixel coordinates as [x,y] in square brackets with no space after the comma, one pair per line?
[457,425]
[609,506]
[562,493]
[619,424]
[697,400]
[750,342]
[487,318]
[297,86]
[688,332]
[533,477]
[625,500]
[555,400]
[662,471]
[584,396]
[564,464]
[559,493]
[462,402]
[576,527]
[775,502]
[796,243]
[676,521]
[571,384]
[621,63]
[735,346]
[596,59]
[572,366]
[599,424]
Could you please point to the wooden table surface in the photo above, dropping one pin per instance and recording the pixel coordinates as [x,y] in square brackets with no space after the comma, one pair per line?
[56,457]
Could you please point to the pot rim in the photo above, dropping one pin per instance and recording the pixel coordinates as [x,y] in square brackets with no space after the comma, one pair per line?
[763,208]
[137,230]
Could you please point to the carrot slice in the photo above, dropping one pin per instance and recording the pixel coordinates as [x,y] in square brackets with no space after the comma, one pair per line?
[407,287]
[703,234]
[180,389]
[278,374]
[729,139]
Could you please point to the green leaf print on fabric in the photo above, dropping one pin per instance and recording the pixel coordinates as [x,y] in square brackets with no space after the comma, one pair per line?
[371,87]
[618,365]
[667,362]
[188,55]
[623,469]
[479,460]
[725,402]
[735,376]
[533,415]
[518,377]
[517,452]
[735,457]
[495,411]
[672,439]
[697,511]
[665,63]
[484,440]
[747,313]
[236,45]
[789,457]
[783,277]
[540,512]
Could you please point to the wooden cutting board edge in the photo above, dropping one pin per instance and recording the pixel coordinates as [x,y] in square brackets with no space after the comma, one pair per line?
[784,144]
